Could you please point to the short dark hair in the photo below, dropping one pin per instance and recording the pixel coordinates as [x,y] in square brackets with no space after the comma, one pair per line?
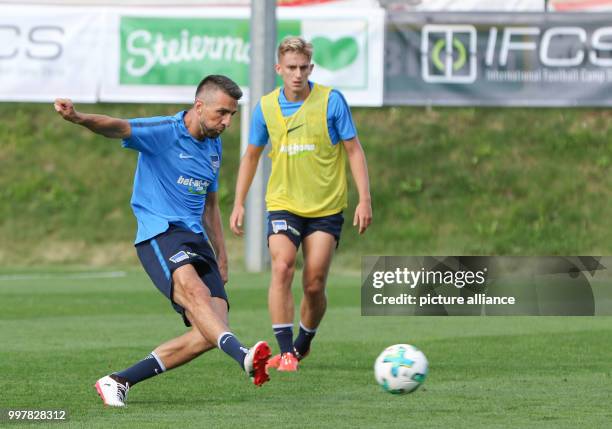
[220,82]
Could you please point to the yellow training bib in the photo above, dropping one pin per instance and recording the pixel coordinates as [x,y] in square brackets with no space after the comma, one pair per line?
[308,175]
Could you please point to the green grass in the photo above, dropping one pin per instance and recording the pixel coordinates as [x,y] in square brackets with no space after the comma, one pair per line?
[446,181]
[59,334]
[454,181]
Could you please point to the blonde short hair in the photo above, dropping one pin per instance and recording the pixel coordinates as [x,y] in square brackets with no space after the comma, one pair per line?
[295,44]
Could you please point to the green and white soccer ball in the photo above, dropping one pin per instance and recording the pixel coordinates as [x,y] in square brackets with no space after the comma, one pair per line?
[401,368]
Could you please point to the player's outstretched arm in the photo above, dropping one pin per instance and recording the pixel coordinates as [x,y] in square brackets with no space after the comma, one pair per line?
[359,169]
[214,230]
[100,124]
[246,172]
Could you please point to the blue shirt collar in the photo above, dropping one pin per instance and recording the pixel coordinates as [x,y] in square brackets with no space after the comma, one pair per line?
[185,132]
[283,99]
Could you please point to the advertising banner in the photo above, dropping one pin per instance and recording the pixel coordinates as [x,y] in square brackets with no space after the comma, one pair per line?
[468,5]
[508,59]
[160,55]
[49,52]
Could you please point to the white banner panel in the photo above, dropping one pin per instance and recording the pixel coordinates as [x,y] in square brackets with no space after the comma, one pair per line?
[48,52]
[348,50]
[159,55]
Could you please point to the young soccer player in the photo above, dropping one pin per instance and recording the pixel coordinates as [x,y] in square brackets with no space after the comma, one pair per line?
[311,132]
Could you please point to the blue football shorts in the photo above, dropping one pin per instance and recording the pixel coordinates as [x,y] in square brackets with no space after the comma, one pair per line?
[175,247]
[296,228]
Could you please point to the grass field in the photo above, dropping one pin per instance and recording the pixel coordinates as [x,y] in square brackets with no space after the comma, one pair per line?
[448,181]
[60,331]
[445,181]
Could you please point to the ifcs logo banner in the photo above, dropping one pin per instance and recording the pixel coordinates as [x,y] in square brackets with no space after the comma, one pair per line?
[448,54]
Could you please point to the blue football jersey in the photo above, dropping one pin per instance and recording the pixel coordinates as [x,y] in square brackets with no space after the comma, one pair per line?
[175,171]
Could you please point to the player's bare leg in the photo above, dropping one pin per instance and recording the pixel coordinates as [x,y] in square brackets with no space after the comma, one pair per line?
[318,249]
[191,294]
[180,350]
[280,299]
[209,316]
[318,252]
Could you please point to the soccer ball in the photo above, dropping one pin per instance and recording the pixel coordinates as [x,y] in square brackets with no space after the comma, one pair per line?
[400,368]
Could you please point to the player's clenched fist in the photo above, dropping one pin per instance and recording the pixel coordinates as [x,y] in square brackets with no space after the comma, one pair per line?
[65,108]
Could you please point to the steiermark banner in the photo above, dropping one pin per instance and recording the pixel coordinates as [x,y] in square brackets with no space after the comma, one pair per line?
[157,56]
[507,59]
[177,51]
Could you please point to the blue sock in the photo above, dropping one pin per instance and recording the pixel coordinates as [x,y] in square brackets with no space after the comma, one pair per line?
[230,345]
[284,336]
[146,368]
[302,342]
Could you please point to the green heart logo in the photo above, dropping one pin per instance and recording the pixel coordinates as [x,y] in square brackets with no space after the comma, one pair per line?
[334,55]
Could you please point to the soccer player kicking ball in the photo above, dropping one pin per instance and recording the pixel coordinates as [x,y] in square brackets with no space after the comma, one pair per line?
[179,224]
[311,132]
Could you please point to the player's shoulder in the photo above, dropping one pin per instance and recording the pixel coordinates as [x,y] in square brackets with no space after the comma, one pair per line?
[257,116]
[336,95]
[270,95]
[331,89]
[337,103]
[157,121]
[335,98]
